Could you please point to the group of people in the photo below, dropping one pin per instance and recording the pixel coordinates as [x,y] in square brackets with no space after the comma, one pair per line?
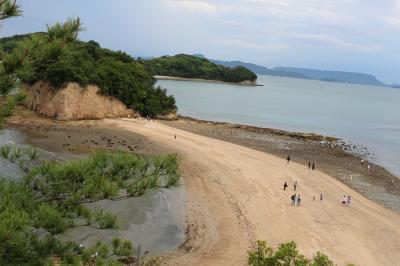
[310,165]
[296,199]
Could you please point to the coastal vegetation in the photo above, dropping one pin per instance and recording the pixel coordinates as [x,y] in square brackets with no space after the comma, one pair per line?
[54,197]
[8,104]
[286,254]
[58,57]
[188,66]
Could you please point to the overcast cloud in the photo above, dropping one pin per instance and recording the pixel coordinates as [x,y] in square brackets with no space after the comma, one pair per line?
[349,35]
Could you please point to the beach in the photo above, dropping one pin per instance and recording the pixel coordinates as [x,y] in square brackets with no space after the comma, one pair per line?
[243,83]
[234,188]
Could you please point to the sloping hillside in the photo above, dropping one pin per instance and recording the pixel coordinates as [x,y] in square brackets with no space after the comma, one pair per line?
[188,66]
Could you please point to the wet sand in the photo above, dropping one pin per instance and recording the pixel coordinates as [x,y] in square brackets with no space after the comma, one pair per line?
[235,196]
[234,193]
[375,183]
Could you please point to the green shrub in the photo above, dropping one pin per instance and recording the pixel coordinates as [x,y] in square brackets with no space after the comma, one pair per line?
[286,254]
[50,218]
[122,247]
[53,194]
[5,151]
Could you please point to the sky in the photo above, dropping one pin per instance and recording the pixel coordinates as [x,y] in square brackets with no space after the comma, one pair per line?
[347,35]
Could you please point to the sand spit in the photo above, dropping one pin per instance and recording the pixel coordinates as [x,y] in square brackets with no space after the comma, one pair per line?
[243,83]
[234,193]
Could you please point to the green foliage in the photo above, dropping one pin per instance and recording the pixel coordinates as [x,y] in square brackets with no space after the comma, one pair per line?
[9,9]
[7,108]
[8,105]
[122,247]
[53,194]
[188,66]
[32,153]
[5,151]
[67,32]
[286,255]
[321,259]
[58,57]
[105,220]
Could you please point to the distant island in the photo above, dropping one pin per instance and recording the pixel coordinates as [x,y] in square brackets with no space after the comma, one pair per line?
[304,73]
[194,67]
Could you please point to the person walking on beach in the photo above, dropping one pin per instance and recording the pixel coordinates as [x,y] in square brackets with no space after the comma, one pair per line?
[295,185]
[320,196]
[285,186]
[344,200]
[175,136]
[309,164]
[313,166]
[293,198]
[362,162]
[348,200]
[298,200]
[288,159]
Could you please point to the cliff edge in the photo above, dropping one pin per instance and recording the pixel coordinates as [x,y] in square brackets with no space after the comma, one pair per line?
[72,102]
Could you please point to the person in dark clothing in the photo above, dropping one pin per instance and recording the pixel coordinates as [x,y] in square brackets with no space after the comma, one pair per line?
[298,200]
[288,159]
[309,164]
[285,186]
[313,166]
[320,196]
[293,198]
[175,136]
[295,185]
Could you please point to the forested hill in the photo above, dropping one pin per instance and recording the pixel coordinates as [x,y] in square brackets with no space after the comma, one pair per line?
[188,66]
[41,57]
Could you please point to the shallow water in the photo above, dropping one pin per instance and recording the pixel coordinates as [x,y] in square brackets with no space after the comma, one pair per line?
[365,115]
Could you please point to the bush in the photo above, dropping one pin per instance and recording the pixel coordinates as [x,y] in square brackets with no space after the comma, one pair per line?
[53,194]
[286,254]
[8,105]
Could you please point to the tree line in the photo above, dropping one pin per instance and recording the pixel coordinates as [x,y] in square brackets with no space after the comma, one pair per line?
[57,57]
[189,66]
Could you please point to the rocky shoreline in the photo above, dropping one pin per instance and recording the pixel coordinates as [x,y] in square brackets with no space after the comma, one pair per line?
[332,156]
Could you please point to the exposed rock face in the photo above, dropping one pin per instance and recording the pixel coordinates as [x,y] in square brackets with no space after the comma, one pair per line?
[72,102]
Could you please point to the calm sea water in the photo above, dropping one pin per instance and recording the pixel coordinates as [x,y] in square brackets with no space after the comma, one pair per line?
[365,115]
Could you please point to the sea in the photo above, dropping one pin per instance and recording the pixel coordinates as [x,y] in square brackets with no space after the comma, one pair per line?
[358,114]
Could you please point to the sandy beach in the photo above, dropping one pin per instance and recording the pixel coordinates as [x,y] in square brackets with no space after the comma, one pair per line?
[244,83]
[235,194]
[235,197]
